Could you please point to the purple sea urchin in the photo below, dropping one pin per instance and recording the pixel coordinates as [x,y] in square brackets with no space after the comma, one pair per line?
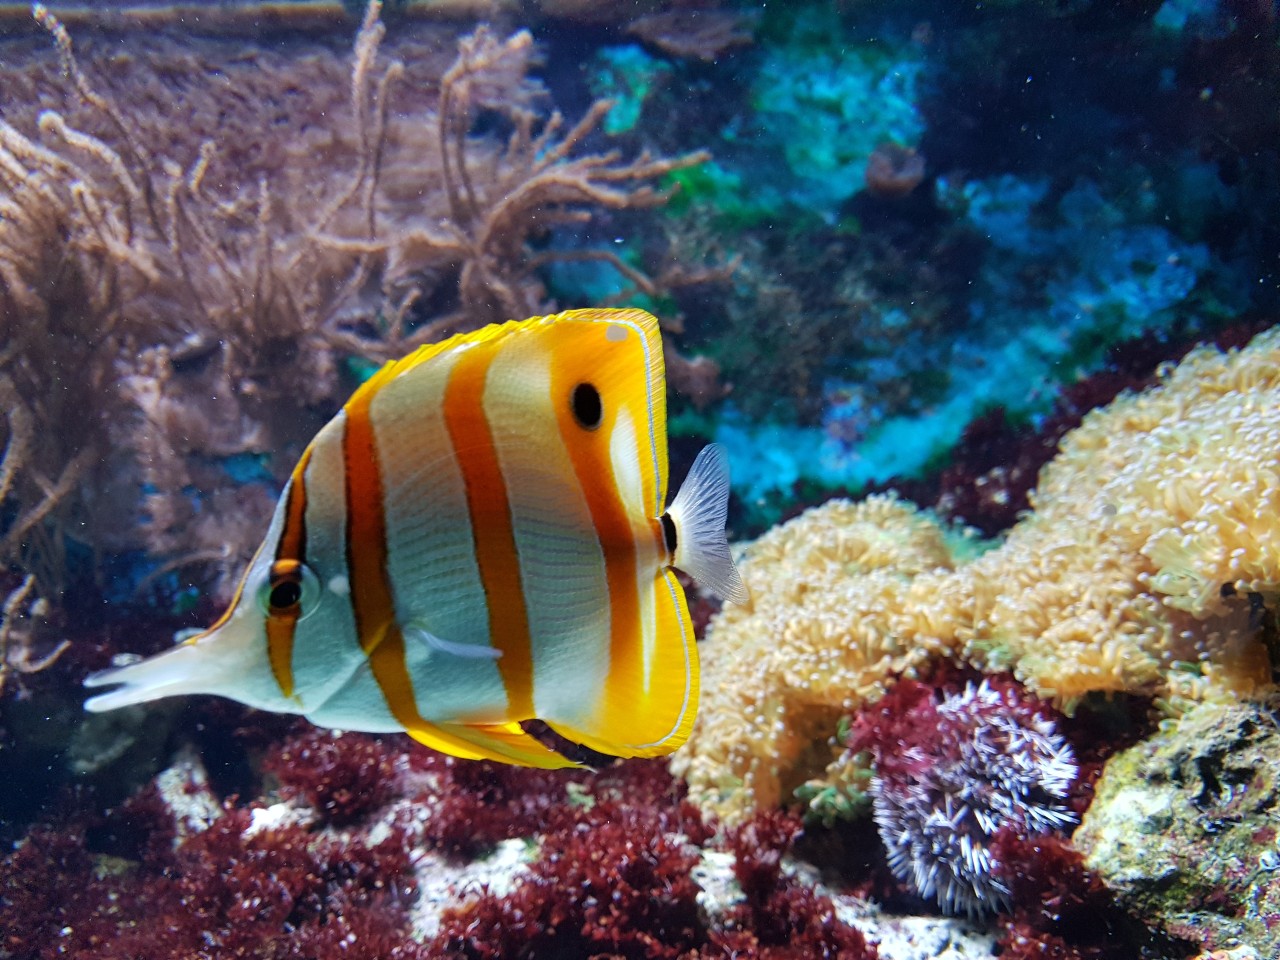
[950,774]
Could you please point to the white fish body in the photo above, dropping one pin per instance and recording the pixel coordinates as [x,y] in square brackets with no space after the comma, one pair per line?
[477,539]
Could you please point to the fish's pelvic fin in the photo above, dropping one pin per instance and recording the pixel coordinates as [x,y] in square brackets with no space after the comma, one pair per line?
[698,514]
[472,651]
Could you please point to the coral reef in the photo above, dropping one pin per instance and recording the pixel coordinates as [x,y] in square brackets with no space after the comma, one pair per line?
[990,473]
[215,223]
[1149,552]
[951,773]
[1183,827]
[826,630]
[1056,280]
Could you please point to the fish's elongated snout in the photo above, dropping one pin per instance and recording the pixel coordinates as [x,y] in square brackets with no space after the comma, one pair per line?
[223,662]
[173,673]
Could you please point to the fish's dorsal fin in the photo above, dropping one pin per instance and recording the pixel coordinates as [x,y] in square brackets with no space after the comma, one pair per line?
[698,516]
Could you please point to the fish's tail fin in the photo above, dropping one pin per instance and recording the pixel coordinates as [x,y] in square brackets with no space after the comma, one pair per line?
[698,516]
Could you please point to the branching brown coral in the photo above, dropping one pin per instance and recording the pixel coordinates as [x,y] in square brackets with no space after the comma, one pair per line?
[704,35]
[114,258]
[163,311]
[17,645]
[498,200]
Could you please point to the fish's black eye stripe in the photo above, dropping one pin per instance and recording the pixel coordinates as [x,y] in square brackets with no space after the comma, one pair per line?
[587,407]
[669,533]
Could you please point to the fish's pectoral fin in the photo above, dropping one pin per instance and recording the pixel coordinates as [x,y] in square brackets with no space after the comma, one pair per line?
[503,742]
[475,651]
[698,516]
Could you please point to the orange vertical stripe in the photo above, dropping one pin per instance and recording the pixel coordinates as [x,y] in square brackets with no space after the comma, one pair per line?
[593,466]
[280,632]
[387,663]
[495,544]
[366,526]
[372,603]
[291,546]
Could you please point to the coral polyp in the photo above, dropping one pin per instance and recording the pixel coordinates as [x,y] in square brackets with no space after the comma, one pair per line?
[952,773]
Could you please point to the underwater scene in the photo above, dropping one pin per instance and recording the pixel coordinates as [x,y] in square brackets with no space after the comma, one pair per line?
[645,479]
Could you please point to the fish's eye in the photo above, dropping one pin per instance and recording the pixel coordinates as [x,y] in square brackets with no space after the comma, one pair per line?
[290,589]
[284,594]
[587,408]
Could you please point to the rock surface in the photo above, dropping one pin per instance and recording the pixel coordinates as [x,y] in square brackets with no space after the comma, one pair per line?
[1184,828]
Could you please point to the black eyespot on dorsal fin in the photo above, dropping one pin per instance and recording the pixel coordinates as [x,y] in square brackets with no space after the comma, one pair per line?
[588,409]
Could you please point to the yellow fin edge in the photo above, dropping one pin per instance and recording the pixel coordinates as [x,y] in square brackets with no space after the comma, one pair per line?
[504,743]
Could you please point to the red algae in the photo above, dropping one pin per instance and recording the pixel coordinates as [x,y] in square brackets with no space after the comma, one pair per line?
[227,891]
[1060,910]
[612,878]
[609,885]
[615,873]
[780,919]
[344,777]
[476,804]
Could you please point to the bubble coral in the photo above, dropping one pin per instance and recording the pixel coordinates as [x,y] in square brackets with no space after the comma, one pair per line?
[822,635]
[950,773]
[1154,535]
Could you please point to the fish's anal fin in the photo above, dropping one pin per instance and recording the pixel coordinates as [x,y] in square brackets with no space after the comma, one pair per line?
[502,742]
[473,651]
[698,516]
[648,704]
